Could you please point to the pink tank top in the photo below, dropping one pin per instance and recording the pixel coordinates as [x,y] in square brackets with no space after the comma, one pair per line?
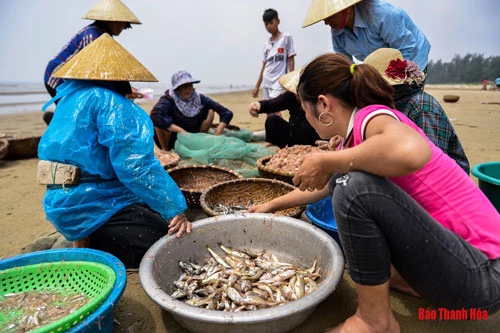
[444,190]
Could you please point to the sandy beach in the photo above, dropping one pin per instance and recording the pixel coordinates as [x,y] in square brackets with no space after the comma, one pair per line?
[475,117]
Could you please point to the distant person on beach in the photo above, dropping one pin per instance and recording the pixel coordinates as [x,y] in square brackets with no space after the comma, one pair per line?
[278,57]
[112,17]
[407,215]
[279,132]
[359,27]
[497,82]
[485,84]
[183,109]
[410,98]
[124,200]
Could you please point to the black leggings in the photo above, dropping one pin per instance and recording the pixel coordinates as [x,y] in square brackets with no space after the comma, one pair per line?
[380,224]
[129,234]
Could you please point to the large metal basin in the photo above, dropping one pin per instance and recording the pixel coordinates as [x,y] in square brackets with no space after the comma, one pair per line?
[292,240]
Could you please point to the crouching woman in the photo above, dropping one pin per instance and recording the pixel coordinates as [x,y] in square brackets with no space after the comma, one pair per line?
[124,201]
[398,200]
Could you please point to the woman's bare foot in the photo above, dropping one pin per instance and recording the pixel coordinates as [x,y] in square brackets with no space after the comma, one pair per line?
[356,324]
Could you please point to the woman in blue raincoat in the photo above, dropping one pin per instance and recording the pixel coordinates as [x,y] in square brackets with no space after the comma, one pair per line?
[125,197]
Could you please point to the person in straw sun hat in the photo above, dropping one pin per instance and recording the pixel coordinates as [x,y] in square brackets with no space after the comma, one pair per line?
[410,98]
[279,132]
[109,16]
[124,197]
[359,27]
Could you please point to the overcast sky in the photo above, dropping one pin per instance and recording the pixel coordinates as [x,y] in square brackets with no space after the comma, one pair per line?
[220,41]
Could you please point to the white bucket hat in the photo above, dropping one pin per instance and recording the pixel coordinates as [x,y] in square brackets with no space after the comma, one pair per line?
[322,9]
[182,77]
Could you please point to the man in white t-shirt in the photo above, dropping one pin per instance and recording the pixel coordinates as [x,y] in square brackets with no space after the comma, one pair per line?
[278,59]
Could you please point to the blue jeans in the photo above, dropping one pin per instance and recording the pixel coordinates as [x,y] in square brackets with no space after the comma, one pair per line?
[380,224]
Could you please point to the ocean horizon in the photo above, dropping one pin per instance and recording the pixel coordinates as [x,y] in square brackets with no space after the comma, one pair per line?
[25,97]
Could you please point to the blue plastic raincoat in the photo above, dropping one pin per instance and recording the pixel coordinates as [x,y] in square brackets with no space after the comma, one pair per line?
[107,135]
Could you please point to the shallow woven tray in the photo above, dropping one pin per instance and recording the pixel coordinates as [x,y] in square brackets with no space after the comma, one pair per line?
[19,148]
[450,98]
[194,179]
[246,192]
[297,151]
[4,148]
[168,159]
[269,173]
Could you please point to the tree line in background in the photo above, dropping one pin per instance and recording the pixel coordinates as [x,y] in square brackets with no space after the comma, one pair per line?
[472,68]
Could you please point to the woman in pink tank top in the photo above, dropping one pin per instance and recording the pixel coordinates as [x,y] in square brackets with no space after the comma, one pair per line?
[408,216]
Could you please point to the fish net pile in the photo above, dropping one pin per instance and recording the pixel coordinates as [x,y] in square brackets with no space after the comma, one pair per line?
[243,280]
[222,151]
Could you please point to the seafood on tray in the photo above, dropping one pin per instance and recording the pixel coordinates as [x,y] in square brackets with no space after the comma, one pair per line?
[29,310]
[167,158]
[242,280]
[289,159]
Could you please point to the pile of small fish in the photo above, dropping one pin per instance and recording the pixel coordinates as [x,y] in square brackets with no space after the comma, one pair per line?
[29,310]
[232,209]
[242,280]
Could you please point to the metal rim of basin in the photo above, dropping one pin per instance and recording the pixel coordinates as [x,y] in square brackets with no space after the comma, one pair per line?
[180,309]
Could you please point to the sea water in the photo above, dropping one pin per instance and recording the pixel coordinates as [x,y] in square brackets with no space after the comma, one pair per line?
[19,97]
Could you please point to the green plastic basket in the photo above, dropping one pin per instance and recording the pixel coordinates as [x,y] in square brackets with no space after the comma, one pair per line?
[93,279]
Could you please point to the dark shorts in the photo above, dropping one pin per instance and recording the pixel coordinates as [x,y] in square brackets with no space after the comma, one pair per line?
[130,233]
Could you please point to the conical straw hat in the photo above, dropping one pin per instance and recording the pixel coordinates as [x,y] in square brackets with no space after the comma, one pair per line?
[321,9]
[111,10]
[105,60]
[290,81]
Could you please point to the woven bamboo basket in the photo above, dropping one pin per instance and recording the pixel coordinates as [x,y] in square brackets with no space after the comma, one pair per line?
[451,98]
[4,148]
[269,173]
[168,159]
[194,179]
[19,148]
[243,193]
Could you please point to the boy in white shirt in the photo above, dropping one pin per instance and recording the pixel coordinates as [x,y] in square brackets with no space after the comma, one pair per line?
[278,60]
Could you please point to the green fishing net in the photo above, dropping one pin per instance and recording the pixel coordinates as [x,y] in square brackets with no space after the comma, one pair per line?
[224,151]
